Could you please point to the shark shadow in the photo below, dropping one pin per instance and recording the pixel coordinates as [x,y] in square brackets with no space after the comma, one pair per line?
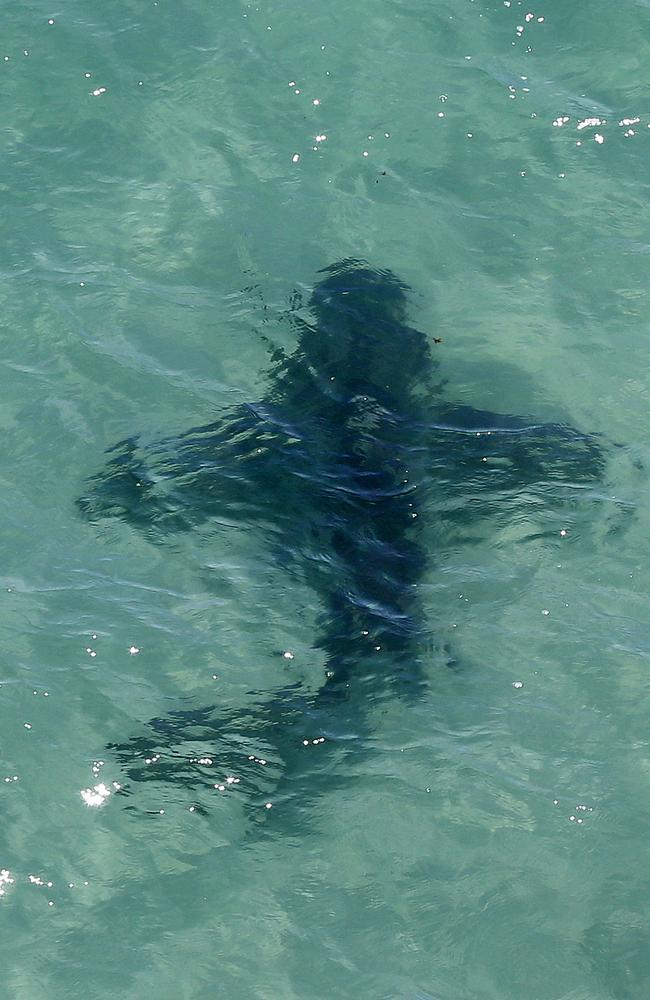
[349,454]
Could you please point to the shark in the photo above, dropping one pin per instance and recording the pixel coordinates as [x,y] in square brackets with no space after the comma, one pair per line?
[344,467]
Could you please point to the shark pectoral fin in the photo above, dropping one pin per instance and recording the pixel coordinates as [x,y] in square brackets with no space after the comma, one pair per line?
[123,487]
[227,468]
[517,451]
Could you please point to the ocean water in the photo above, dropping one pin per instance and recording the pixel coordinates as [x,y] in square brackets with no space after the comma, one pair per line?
[174,176]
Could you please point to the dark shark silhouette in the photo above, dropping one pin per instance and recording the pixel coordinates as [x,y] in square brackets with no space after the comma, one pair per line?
[350,446]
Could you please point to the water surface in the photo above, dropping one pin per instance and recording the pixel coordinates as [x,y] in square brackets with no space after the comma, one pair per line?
[172,175]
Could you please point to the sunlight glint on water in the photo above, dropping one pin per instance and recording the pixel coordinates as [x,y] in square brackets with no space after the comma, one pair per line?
[173,179]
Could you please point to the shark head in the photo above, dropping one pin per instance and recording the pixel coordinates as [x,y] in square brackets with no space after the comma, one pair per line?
[360,338]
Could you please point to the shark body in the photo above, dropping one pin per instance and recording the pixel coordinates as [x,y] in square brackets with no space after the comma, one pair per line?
[339,466]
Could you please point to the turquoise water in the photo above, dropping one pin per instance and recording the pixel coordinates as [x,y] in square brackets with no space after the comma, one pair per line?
[171,175]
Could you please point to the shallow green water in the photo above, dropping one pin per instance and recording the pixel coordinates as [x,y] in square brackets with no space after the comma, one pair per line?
[170,174]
